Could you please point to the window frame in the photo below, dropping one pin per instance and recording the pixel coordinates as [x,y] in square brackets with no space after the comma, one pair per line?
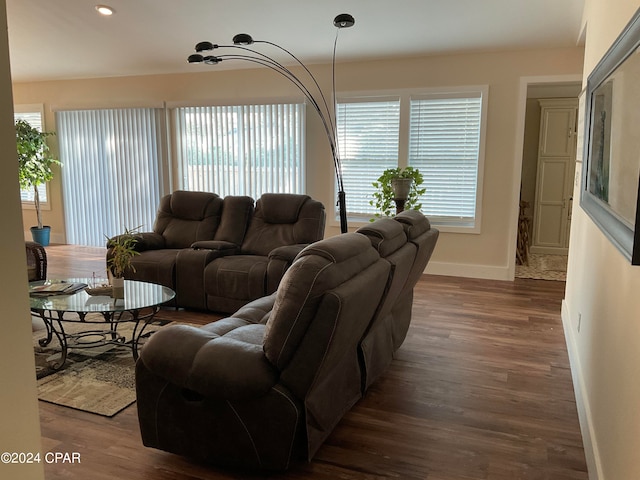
[405,95]
[34,108]
[382,99]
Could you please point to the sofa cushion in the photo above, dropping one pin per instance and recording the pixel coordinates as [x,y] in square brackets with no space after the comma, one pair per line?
[386,235]
[377,347]
[230,366]
[156,266]
[319,268]
[192,205]
[414,223]
[281,208]
[236,214]
[283,219]
[187,217]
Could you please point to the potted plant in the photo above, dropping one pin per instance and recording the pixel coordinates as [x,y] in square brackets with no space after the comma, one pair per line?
[397,188]
[121,251]
[35,162]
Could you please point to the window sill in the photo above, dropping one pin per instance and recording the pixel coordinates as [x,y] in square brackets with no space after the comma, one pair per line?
[32,206]
[444,227]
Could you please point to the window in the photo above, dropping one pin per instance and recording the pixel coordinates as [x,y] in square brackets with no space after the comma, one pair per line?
[368,144]
[112,171]
[33,115]
[444,144]
[443,138]
[241,150]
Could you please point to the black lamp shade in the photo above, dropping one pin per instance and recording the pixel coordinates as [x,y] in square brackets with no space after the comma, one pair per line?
[243,39]
[204,46]
[344,20]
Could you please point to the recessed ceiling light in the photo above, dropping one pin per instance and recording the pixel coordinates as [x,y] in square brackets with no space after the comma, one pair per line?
[105,10]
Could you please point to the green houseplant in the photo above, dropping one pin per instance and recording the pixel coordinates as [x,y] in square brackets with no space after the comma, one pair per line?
[397,189]
[35,162]
[122,248]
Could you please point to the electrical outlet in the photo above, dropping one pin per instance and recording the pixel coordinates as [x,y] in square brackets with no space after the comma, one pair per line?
[579,321]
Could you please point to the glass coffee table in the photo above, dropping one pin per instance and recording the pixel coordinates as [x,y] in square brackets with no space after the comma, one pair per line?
[141,302]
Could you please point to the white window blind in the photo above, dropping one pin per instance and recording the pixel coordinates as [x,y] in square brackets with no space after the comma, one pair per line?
[242,149]
[444,145]
[35,120]
[368,133]
[111,175]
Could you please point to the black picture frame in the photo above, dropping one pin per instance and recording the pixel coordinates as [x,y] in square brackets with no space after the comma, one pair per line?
[610,192]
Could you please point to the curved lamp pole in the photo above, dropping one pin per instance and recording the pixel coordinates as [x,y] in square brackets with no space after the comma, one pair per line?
[242,49]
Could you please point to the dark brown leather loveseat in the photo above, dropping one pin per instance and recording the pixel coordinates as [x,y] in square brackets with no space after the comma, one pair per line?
[220,253]
[270,383]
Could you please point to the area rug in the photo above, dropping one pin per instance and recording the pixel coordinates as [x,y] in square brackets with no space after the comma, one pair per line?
[98,380]
[544,267]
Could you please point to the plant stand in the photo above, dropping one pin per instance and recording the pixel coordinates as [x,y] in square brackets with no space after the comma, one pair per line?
[399,204]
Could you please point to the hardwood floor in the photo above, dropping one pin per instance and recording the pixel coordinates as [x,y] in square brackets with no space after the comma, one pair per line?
[480,390]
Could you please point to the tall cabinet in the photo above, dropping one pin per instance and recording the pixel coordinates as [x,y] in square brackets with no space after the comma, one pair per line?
[556,169]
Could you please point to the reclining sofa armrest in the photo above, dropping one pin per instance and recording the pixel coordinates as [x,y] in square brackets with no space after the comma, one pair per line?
[280,259]
[145,241]
[257,311]
[231,366]
[190,266]
[149,241]
[224,248]
[286,252]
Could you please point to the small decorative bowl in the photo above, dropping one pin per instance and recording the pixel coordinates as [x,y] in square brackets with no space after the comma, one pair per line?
[102,290]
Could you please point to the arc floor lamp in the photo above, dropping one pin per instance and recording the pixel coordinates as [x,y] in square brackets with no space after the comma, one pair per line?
[244,49]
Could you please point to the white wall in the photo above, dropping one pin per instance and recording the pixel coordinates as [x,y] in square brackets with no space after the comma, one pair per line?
[603,297]
[19,420]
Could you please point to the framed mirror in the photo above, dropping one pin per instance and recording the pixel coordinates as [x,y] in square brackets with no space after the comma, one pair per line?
[611,169]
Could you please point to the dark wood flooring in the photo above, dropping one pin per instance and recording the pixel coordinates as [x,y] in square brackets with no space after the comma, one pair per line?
[480,390]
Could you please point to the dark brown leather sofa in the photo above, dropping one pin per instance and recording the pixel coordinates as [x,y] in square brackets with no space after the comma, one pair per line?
[219,254]
[268,384]
[407,243]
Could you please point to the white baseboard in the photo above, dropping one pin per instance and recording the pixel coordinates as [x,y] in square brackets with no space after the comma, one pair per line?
[549,250]
[582,400]
[488,272]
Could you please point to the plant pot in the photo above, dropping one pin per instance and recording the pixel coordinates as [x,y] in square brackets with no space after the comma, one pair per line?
[117,290]
[401,188]
[41,235]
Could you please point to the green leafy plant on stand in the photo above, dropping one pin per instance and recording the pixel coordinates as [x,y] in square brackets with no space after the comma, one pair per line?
[383,197]
[34,160]
[122,248]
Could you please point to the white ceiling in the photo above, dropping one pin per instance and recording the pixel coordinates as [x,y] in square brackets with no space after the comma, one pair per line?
[62,39]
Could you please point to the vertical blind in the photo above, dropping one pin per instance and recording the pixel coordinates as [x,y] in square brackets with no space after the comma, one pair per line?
[444,143]
[112,171]
[35,120]
[242,149]
[368,135]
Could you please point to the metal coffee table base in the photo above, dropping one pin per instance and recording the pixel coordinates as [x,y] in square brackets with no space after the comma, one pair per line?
[92,338]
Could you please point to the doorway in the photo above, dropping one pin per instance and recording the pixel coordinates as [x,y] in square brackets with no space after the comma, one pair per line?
[547,178]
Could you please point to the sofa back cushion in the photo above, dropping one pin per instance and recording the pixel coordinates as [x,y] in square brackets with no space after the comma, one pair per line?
[283,219]
[322,308]
[319,268]
[377,346]
[389,238]
[420,233]
[236,214]
[187,217]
